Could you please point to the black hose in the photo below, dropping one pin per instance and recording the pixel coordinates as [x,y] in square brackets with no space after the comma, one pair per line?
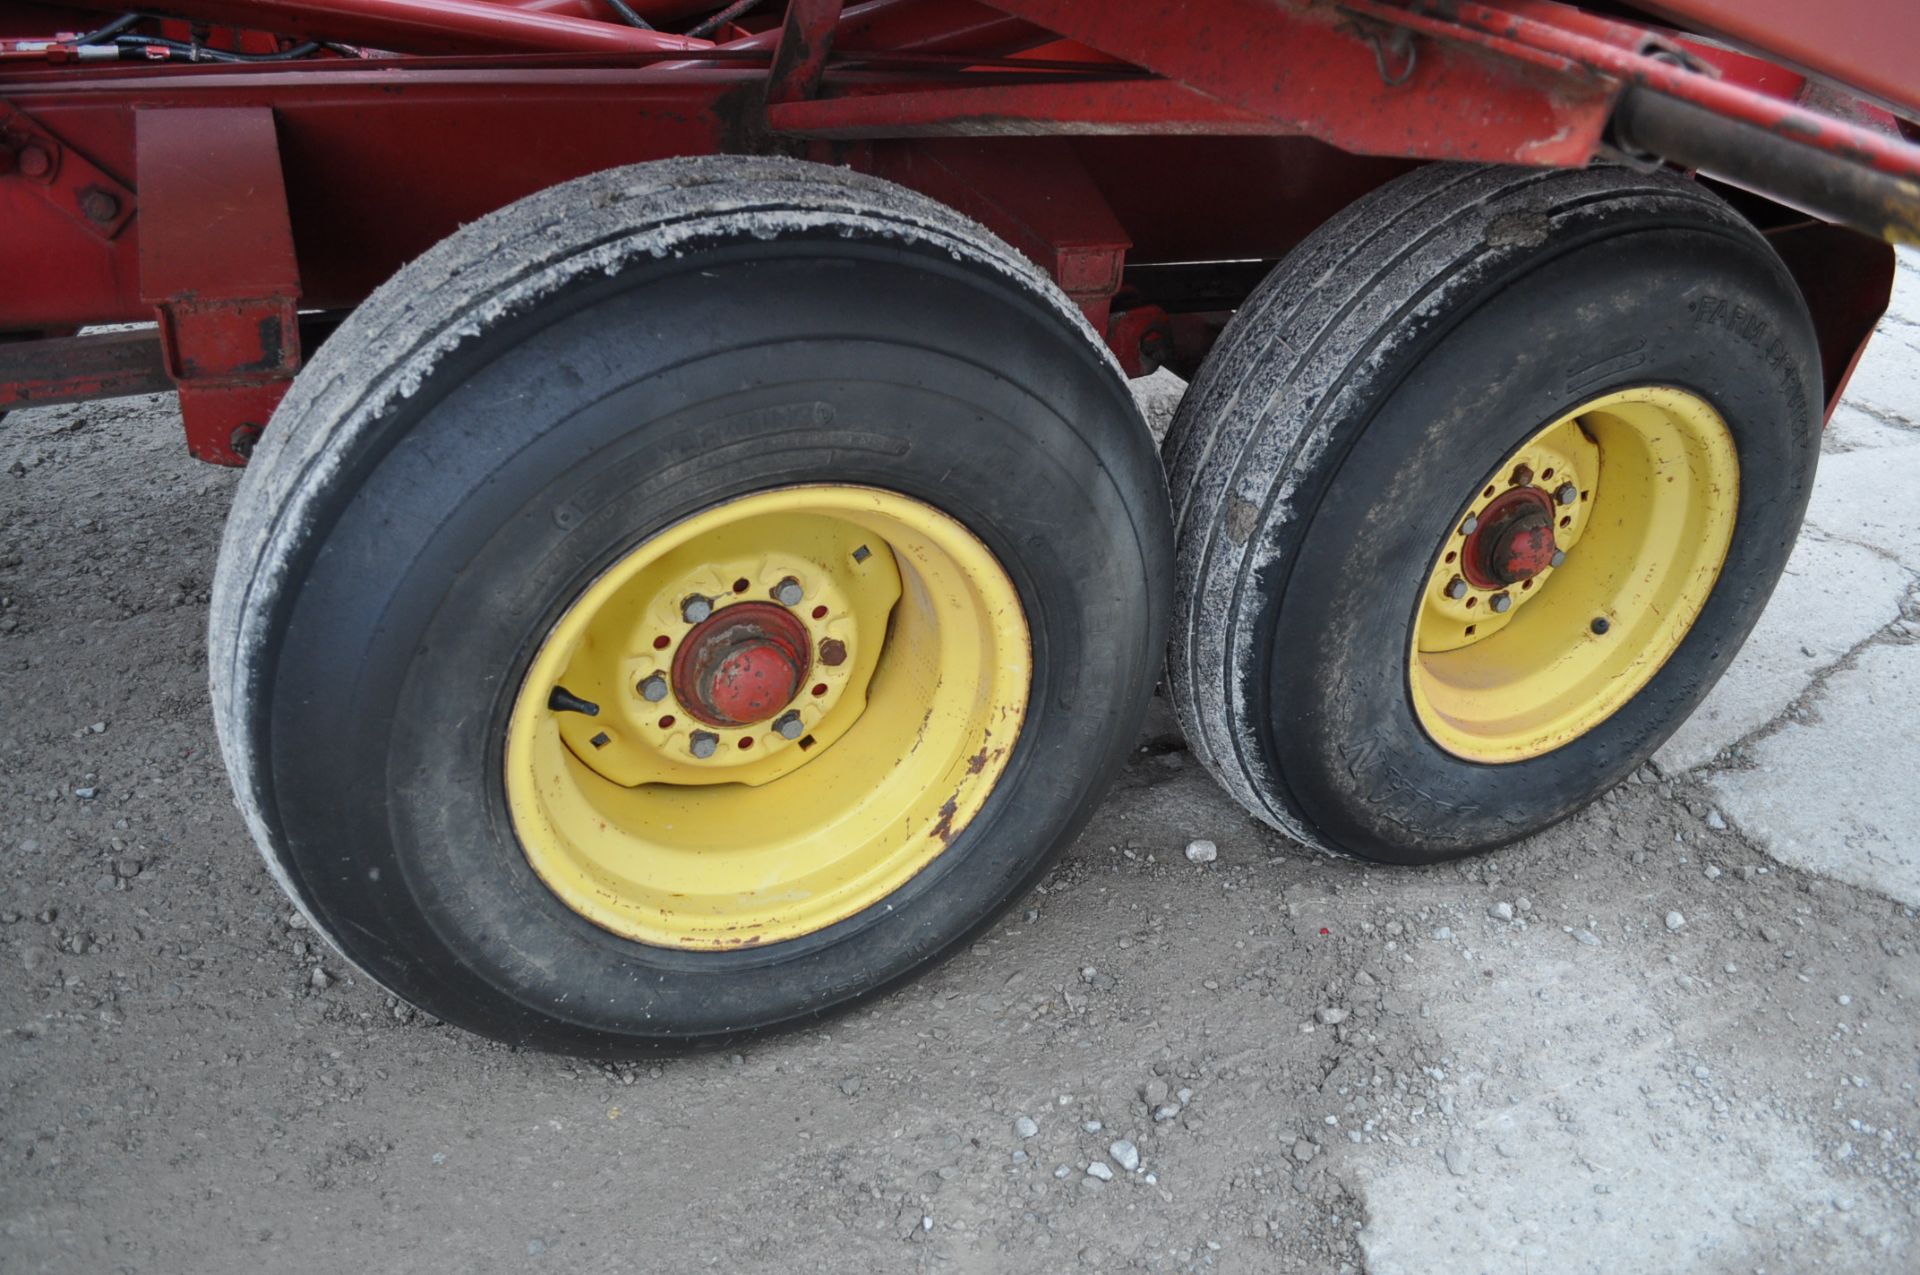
[628,16]
[178,52]
[1825,183]
[708,26]
[114,27]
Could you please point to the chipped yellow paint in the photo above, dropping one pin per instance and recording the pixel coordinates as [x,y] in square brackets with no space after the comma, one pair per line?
[1660,488]
[777,838]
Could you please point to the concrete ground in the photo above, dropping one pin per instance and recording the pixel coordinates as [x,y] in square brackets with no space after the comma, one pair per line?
[1677,1033]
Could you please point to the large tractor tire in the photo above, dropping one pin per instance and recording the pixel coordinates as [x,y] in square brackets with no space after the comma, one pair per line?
[1477,497]
[686,601]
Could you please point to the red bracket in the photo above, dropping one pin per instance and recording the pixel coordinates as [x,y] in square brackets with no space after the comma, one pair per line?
[62,175]
[217,265]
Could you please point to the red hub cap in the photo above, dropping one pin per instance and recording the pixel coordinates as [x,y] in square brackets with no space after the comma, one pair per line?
[1513,542]
[741,665]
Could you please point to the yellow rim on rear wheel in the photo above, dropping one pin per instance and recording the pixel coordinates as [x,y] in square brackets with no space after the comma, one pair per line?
[1573,574]
[768,717]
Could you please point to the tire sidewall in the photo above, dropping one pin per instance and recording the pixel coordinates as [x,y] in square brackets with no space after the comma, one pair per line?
[564,440]
[1703,309]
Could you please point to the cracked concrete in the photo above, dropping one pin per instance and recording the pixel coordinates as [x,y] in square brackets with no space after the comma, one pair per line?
[1809,741]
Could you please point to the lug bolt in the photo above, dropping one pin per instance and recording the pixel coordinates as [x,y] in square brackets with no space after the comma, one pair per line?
[1567,494]
[653,689]
[1522,476]
[1501,602]
[1470,526]
[1559,556]
[1456,588]
[703,743]
[34,161]
[788,592]
[695,609]
[788,725]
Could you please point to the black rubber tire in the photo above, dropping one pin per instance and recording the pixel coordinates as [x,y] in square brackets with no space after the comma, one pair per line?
[1382,371]
[542,392]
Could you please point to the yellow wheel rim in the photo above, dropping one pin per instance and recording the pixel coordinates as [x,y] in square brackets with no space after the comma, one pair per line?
[1524,642]
[644,799]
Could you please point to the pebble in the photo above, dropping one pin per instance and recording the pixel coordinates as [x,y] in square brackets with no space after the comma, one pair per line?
[850,1086]
[1164,1112]
[1502,911]
[1588,938]
[1711,873]
[1099,1170]
[1844,999]
[1125,1154]
[1202,852]
[1458,1161]
[1154,1092]
[86,794]
[1700,1071]
[1091,1126]
[1715,821]
[1675,920]
[1303,1150]
[1331,1015]
[319,979]
[1443,935]
[1026,1126]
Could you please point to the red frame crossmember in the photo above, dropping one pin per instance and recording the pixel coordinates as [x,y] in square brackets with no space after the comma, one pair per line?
[217,265]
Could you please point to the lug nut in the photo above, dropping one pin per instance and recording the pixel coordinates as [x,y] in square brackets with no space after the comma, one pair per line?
[1456,588]
[653,689]
[34,161]
[1470,526]
[1522,476]
[703,743]
[1559,556]
[788,725]
[1501,602]
[788,592]
[695,609]
[1567,494]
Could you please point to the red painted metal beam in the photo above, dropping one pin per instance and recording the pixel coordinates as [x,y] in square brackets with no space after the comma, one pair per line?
[1081,107]
[1868,45]
[73,369]
[425,26]
[217,265]
[1319,70]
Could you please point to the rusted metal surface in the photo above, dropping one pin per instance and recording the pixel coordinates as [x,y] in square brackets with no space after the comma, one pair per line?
[800,56]
[217,266]
[77,368]
[1512,540]
[742,664]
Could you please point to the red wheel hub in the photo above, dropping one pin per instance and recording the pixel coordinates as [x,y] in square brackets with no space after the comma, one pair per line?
[1513,541]
[742,664]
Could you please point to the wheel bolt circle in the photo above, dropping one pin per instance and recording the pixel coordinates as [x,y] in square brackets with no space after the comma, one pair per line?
[703,743]
[788,592]
[653,689]
[695,608]
[788,725]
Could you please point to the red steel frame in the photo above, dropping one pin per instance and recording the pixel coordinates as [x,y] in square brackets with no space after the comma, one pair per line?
[225,200]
